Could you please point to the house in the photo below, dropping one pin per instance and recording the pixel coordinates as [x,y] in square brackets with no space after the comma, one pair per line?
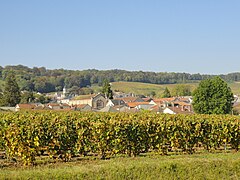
[65,106]
[156,108]
[168,110]
[108,109]
[187,99]
[182,102]
[83,107]
[54,106]
[147,99]
[82,99]
[115,102]
[121,108]
[64,101]
[183,105]
[126,109]
[174,105]
[162,102]
[42,107]
[25,107]
[132,99]
[144,106]
[99,101]
[132,110]
[137,104]
[175,110]
[95,101]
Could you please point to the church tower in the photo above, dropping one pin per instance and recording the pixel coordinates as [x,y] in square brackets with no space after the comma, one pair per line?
[64,92]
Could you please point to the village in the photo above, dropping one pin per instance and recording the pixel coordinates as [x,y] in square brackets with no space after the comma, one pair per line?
[121,102]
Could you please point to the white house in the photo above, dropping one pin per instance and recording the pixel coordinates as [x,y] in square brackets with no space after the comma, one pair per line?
[168,111]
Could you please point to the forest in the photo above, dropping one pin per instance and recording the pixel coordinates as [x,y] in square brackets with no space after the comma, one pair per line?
[44,80]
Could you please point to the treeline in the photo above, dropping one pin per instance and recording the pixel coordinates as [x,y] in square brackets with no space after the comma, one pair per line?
[45,80]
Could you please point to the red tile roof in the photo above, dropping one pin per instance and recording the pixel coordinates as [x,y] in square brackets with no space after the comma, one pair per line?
[26,106]
[53,104]
[161,100]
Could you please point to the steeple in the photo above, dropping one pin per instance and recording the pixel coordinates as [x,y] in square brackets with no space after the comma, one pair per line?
[64,90]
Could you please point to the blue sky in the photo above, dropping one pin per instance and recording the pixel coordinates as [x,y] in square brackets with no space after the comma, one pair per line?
[194,36]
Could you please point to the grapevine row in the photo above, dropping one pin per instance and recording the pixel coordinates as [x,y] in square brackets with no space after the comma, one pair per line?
[27,135]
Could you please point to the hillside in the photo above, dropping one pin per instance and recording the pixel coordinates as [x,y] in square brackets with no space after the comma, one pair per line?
[147,88]
[40,79]
[235,86]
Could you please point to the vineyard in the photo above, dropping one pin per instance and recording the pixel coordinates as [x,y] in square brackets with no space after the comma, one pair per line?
[25,136]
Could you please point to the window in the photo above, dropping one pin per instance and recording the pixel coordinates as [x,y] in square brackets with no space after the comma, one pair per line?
[100,104]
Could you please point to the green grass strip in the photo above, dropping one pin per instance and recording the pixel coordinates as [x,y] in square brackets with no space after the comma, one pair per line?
[197,166]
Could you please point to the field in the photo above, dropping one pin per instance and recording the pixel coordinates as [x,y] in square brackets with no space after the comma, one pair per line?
[198,166]
[146,88]
[235,86]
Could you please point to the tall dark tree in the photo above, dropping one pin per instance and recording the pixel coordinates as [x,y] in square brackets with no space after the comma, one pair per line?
[213,96]
[166,93]
[1,99]
[11,93]
[106,89]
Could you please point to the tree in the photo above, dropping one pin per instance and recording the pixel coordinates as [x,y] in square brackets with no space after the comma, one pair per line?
[106,89]
[11,93]
[25,85]
[75,91]
[1,99]
[43,85]
[39,98]
[213,96]
[27,97]
[152,94]
[86,90]
[181,90]
[166,93]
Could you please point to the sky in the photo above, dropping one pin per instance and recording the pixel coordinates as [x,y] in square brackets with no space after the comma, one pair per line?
[192,36]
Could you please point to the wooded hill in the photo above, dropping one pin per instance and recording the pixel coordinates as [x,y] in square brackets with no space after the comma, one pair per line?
[45,80]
